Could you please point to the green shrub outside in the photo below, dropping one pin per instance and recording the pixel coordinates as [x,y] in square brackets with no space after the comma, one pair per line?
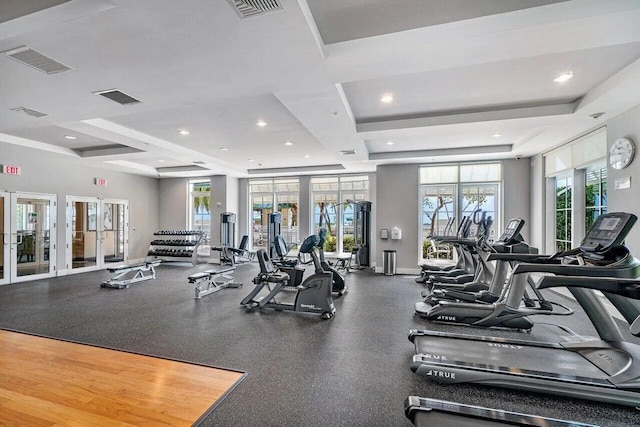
[330,244]
[347,244]
[425,248]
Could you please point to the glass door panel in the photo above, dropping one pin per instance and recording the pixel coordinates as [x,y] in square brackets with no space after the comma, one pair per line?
[326,215]
[82,233]
[477,200]
[4,238]
[288,207]
[115,231]
[33,236]
[261,207]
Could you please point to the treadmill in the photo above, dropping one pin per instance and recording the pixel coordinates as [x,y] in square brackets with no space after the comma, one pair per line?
[510,241]
[503,305]
[605,370]
[425,412]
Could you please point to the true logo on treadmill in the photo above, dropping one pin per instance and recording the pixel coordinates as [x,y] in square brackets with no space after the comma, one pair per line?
[311,306]
[441,374]
[447,318]
[434,356]
[606,357]
[500,345]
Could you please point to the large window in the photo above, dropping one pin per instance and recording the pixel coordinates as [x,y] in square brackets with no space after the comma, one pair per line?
[563,213]
[334,202]
[284,194]
[577,180]
[451,192]
[200,205]
[595,195]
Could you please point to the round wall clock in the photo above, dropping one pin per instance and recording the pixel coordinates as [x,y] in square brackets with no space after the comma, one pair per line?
[621,153]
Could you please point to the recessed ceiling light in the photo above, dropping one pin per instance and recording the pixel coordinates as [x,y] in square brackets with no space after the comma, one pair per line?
[497,135]
[183,132]
[251,160]
[288,143]
[161,160]
[224,149]
[261,123]
[564,77]
[306,156]
[386,98]
[390,143]
[70,137]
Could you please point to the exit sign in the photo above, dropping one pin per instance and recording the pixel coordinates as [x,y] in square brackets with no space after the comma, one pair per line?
[11,170]
[101,182]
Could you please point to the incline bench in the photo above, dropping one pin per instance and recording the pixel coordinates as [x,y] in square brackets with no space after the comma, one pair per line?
[214,284]
[119,281]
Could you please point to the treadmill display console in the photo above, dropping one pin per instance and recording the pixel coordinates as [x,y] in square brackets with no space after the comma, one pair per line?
[608,231]
[512,230]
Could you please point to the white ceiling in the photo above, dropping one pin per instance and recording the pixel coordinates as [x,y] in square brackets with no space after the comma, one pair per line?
[459,72]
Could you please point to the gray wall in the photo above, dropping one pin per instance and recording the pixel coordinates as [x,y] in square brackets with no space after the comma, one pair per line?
[45,172]
[174,204]
[538,203]
[397,206]
[516,190]
[225,197]
[304,209]
[244,224]
[628,200]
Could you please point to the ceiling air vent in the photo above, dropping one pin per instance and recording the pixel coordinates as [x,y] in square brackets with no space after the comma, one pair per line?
[117,96]
[34,59]
[249,8]
[347,152]
[30,112]
[199,162]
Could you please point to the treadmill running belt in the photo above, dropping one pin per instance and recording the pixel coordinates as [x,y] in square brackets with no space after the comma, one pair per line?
[514,358]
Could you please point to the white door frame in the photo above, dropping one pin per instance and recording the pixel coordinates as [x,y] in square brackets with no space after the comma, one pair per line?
[100,232]
[15,238]
[5,237]
[69,234]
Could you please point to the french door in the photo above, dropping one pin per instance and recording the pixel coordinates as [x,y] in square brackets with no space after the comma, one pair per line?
[97,233]
[5,235]
[32,240]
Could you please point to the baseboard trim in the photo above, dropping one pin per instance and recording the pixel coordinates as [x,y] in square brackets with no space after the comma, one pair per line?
[401,271]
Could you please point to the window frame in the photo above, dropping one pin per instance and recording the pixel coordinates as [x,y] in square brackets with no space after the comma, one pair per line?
[458,186]
[343,209]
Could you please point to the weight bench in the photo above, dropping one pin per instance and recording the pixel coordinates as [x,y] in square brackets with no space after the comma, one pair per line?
[124,277]
[214,284]
[343,262]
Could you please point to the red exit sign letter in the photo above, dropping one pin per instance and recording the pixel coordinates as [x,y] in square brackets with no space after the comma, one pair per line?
[101,182]
[11,170]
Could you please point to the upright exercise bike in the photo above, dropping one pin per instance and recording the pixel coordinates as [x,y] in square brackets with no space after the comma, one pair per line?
[338,287]
[312,296]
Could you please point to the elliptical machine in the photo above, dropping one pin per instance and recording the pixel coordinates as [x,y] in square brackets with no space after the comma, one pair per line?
[339,288]
[312,296]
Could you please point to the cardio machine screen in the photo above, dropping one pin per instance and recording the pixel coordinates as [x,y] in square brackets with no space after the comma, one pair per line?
[609,224]
[513,228]
[608,231]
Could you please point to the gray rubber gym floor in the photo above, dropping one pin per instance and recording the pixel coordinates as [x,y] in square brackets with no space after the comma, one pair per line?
[352,370]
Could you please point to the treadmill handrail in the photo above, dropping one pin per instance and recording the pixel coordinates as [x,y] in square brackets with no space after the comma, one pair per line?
[528,258]
[626,287]
[577,270]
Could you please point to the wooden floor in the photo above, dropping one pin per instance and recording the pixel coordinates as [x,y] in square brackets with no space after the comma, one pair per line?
[46,382]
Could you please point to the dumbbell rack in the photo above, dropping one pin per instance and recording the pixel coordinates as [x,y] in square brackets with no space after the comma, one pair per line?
[176,245]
